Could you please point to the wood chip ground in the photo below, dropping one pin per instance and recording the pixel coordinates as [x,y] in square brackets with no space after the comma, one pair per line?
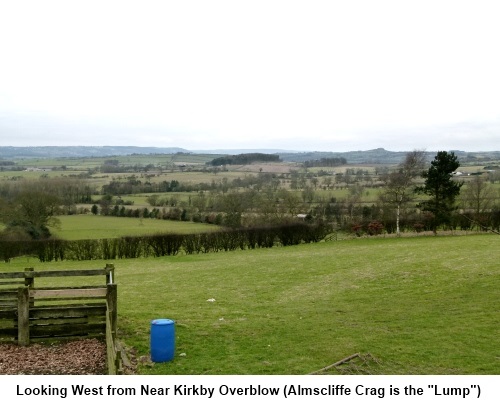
[79,357]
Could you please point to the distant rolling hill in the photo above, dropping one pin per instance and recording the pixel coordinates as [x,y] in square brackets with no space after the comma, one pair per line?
[12,152]
[373,156]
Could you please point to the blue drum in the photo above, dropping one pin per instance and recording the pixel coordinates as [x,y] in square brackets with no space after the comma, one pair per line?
[162,340]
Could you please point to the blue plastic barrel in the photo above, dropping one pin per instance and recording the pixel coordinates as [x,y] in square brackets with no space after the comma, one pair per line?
[162,340]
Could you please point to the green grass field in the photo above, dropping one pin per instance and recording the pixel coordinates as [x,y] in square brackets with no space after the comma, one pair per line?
[73,227]
[421,305]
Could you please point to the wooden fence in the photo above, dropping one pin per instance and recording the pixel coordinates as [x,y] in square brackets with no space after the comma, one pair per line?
[31,314]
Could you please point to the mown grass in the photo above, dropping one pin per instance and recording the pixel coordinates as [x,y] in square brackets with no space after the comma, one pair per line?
[423,305]
[73,227]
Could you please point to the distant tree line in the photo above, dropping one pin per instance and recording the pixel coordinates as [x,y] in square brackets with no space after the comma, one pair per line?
[133,185]
[325,162]
[244,159]
[113,166]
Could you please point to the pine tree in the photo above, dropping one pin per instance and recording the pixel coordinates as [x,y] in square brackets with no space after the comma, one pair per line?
[441,188]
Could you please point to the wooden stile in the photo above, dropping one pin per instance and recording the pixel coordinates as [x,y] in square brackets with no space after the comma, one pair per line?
[29,314]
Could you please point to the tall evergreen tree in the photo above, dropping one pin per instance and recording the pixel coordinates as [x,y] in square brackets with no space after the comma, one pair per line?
[441,188]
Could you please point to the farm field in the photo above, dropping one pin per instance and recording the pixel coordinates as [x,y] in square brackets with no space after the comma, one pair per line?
[416,305]
[74,227]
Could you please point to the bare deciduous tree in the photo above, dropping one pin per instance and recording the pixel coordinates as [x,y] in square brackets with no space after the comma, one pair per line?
[399,183]
[478,197]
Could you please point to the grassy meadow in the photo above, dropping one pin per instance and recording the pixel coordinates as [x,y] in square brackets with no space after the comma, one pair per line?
[414,305]
[75,227]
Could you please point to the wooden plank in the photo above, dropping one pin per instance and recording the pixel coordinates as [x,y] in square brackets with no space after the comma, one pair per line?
[79,320]
[16,274]
[65,320]
[64,293]
[67,330]
[61,319]
[11,294]
[58,321]
[66,273]
[80,287]
[8,304]
[72,305]
[59,339]
[97,326]
[8,333]
[8,296]
[56,311]
[54,273]
[8,313]
[72,299]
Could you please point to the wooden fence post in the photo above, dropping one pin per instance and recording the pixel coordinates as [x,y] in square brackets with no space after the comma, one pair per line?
[112,299]
[110,277]
[23,316]
[29,280]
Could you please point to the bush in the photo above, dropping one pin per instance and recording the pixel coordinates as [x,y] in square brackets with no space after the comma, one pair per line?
[375,228]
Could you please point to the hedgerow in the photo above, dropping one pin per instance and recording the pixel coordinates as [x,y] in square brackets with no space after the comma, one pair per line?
[169,244]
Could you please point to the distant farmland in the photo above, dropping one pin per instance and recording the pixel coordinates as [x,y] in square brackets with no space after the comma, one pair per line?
[74,227]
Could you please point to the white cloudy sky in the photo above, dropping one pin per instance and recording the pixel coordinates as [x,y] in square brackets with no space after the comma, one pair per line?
[303,75]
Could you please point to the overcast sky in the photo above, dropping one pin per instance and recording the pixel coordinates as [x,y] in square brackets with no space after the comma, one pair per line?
[302,75]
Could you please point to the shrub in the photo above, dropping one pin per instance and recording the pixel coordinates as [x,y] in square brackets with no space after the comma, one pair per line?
[375,228]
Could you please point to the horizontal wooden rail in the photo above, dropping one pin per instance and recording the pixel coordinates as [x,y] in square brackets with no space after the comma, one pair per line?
[5,304]
[79,310]
[8,313]
[55,273]
[64,293]
[11,282]
[8,295]
[67,330]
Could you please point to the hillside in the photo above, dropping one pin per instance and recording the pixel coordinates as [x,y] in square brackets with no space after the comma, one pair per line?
[374,156]
[23,152]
